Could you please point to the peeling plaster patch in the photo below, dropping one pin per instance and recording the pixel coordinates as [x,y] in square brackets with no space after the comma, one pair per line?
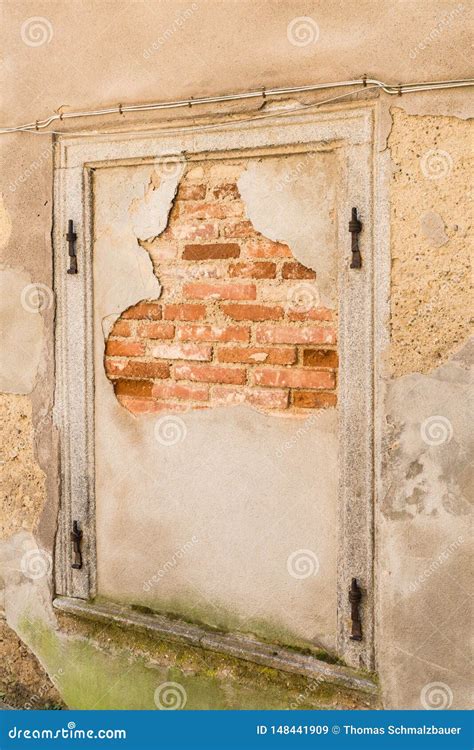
[433,229]
[21,331]
[25,573]
[150,213]
[134,205]
[291,200]
[429,443]
[431,292]
[21,479]
[5,224]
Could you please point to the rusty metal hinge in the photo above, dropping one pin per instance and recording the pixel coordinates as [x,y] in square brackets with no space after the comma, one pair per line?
[355,227]
[355,596]
[71,237]
[76,538]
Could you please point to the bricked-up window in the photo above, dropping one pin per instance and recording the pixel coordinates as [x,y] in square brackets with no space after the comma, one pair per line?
[218,274]
[238,319]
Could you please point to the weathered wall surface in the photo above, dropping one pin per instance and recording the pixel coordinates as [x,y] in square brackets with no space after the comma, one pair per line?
[421,528]
[431,226]
[220,479]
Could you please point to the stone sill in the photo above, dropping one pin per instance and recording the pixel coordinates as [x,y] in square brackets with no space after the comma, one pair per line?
[238,646]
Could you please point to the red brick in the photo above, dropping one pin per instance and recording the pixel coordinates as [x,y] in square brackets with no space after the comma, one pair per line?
[116,348]
[143,311]
[297,271]
[256,355]
[170,389]
[213,333]
[208,252]
[156,330]
[184,312]
[210,374]
[273,398]
[295,335]
[226,190]
[253,312]
[135,388]
[219,290]
[315,313]
[320,358]
[238,229]
[263,248]
[195,231]
[292,378]
[182,351]
[134,369]
[191,192]
[312,400]
[253,270]
[122,328]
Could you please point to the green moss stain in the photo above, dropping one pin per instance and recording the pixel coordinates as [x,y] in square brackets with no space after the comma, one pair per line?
[223,621]
[99,666]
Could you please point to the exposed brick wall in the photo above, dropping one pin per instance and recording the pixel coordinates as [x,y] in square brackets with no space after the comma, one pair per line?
[237,320]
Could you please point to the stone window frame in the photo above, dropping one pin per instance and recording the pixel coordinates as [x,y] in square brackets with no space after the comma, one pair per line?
[350,130]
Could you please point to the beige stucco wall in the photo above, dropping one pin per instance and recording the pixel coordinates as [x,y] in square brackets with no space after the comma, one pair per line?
[219,47]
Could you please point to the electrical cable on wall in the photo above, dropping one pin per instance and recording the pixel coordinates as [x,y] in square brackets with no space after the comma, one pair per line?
[366,83]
